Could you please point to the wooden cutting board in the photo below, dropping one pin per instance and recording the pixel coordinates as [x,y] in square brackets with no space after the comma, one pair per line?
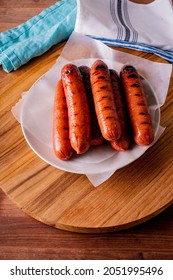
[68,201]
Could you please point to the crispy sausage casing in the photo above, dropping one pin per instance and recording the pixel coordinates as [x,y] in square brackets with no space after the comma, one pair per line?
[78,108]
[141,121]
[104,101]
[123,143]
[61,143]
[96,136]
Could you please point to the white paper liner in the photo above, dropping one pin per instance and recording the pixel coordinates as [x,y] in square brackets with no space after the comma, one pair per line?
[34,110]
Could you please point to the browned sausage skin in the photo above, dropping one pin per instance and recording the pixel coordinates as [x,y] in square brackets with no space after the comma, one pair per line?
[104,101]
[78,108]
[96,136]
[61,143]
[143,132]
[123,143]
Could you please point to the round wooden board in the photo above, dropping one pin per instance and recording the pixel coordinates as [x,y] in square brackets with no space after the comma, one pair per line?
[134,193]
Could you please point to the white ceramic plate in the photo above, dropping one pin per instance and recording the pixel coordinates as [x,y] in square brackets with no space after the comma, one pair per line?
[36,123]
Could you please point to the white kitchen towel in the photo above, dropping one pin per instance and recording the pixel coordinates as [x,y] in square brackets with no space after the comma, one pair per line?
[122,23]
[34,111]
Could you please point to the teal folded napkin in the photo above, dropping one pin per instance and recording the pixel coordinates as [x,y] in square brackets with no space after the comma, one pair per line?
[37,35]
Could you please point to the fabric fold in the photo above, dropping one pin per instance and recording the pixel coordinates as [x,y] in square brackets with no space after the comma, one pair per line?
[122,23]
[167,55]
[37,35]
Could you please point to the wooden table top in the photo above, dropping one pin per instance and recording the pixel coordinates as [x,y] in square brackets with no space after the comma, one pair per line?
[22,236]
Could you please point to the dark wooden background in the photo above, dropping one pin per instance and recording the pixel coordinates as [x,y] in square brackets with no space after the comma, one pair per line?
[22,237]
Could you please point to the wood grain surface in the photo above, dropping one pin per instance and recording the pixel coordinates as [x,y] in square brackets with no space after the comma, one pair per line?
[38,188]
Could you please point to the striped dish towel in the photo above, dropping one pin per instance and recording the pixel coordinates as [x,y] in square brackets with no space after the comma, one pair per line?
[119,23]
[122,23]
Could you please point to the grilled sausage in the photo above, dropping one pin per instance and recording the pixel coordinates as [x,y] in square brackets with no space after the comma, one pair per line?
[123,143]
[61,143]
[143,132]
[104,101]
[78,108]
[96,136]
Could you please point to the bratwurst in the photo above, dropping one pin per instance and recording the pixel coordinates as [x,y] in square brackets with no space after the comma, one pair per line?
[123,143]
[61,142]
[78,108]
[143,132]
[96,136]
[104,101]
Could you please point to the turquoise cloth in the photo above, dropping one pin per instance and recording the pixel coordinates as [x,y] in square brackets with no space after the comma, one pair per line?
[37,35]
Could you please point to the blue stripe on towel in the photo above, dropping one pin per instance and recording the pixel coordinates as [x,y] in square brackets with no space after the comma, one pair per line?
[120,15]
[167,55]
